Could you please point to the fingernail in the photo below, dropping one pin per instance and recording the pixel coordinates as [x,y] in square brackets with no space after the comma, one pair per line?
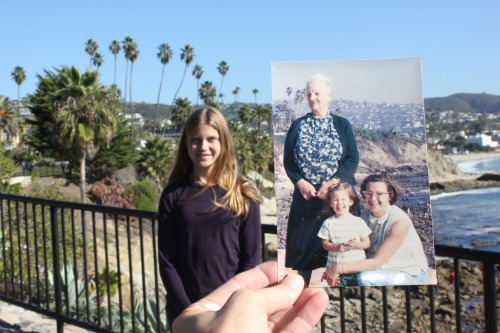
[294,281]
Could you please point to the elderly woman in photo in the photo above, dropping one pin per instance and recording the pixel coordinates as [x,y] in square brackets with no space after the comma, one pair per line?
[320,151]
[396,255]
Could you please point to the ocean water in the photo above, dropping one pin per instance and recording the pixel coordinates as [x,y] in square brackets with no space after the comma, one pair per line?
[479,166]
[469,218]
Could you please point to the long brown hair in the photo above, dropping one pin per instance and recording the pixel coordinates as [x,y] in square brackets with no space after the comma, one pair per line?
[225,170]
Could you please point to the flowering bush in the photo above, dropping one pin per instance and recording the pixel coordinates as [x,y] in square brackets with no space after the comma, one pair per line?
[109,192]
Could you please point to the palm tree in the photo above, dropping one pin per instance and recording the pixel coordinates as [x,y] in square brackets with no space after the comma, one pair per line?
[197,73]
[262,113]
[114,47]
[91,48]
[127,44]
[236,93]
[244,152]
[262,147]
[134,54]
[180,112]
[208,93]
[246,114]
[187,55]
[86,114]
[97,60]
[165,55]
[300,95]
[18,75]
[223,68]
[7,123]
[289,91]
[155,159]
[255,92]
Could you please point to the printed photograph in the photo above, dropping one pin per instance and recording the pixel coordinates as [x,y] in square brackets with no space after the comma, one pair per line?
[351,176]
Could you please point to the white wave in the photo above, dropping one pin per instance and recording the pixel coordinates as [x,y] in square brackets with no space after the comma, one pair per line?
[474,191]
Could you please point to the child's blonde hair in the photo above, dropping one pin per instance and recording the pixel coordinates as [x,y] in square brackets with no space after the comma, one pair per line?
[342,186]
[225,170]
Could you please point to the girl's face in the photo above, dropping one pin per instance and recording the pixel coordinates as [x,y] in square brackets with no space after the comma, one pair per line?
[377,198]
[204,148]
[340,201]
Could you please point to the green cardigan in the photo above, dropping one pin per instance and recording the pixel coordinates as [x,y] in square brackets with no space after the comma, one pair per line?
[348,163]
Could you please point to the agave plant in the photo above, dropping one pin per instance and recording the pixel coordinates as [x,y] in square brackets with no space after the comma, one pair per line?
[151,309]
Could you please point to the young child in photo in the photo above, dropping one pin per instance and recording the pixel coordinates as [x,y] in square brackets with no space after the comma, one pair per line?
[344,235]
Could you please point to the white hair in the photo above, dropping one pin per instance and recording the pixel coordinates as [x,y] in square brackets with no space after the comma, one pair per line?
[321,78]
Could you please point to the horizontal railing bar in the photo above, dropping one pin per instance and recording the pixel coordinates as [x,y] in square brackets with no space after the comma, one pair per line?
[467,254]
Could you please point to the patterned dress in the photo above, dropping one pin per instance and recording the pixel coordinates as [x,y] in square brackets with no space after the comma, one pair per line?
[317,152]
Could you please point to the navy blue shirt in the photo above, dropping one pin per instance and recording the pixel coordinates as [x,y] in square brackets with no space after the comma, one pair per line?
[200,246]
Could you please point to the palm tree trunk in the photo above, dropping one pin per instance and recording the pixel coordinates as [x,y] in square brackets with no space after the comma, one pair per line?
[158,100]
[83,185]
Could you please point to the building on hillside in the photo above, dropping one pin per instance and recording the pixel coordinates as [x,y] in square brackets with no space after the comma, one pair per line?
[482,140]
[135,119]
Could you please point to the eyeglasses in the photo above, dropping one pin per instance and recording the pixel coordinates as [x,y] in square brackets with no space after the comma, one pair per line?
[368,194]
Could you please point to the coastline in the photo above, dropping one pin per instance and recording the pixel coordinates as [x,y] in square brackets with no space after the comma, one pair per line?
[466,181]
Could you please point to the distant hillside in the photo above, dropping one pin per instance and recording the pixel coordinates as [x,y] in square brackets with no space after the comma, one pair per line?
[475,103]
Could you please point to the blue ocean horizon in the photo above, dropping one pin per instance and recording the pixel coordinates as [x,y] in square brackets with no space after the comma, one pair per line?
[469,218]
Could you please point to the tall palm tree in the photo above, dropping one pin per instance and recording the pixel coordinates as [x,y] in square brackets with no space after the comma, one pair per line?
[165,55]
[115,48]
[127,45]
[86,114]
[180,112]
[187,55]
[91,48]
[236,93]
[255,92]
[134,54]
[223,68]
[300,95]
[18,75]
[197,73]
[97,60]
[208,93]
[289,91]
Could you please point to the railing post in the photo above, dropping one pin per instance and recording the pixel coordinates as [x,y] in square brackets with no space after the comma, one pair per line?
[57,267]
[490,308]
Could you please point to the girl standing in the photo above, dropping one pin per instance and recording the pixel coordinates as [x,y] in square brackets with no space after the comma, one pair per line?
[344,235]
[209,216]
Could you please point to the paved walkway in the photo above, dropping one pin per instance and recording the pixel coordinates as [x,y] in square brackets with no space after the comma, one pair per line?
[14,319]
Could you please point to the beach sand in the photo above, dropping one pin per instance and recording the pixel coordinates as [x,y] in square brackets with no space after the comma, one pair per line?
[474,156]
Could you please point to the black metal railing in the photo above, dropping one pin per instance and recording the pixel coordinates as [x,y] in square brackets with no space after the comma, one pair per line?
[96,267]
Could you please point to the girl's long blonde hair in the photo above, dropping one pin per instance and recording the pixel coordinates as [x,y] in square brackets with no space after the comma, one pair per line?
[225,171]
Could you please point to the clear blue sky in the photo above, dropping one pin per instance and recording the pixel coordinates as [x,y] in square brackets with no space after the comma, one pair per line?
[457,41]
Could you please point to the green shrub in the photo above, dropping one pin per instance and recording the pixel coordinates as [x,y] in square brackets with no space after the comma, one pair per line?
[146,194]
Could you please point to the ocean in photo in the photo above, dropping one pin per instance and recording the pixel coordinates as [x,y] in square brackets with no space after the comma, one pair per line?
[469,218]
[479,166]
